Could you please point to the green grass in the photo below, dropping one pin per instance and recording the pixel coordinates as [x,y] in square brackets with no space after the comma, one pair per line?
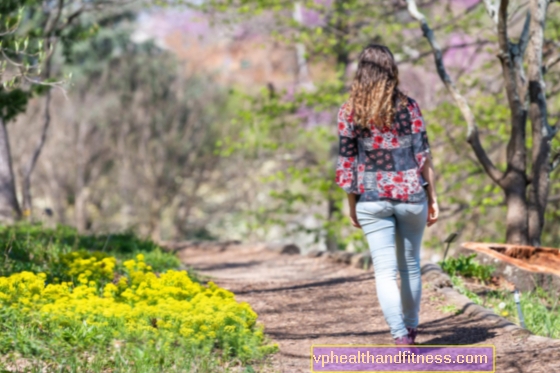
[541,310]
[26,247]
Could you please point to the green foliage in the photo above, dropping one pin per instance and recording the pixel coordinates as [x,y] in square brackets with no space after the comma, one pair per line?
[467,266]
[301,172]
[29,33]
[269,125]
[450,308]
[460,286]
[541,309]
[33,248]
[12,103]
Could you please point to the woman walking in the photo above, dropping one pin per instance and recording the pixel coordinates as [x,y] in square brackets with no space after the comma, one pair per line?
[384,165]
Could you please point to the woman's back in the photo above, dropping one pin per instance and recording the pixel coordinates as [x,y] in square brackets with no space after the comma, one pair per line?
[383,163]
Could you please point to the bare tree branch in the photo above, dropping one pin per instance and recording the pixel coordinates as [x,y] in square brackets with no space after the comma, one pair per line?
[555,198]
[555,162]
[524,38]
[551,62]
[472,131]
[517,51]
[542,132]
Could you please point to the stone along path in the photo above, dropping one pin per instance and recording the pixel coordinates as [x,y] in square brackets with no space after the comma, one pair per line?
[303,301]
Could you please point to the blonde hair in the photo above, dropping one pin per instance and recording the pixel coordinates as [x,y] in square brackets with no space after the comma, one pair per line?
[375,93]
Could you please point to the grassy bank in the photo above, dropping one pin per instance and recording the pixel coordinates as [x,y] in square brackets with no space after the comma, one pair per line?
[540,309]
[72,303]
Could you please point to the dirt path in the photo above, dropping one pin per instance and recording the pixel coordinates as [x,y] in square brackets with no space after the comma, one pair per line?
[304,301]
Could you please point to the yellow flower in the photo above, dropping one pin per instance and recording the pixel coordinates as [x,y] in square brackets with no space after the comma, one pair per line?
[140,304]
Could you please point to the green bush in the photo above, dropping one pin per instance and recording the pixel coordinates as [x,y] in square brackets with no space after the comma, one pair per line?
[467,266]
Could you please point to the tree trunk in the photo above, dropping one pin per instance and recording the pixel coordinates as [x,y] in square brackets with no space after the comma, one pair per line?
[26,182]
[516,217]
[9,206]
[542,132]
[514,183]
[342,60]
[80,193]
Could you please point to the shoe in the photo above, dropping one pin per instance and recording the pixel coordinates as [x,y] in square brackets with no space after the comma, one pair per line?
[412,333]
[405,340]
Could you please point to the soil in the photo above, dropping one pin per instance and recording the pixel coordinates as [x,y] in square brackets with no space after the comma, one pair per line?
[304,301]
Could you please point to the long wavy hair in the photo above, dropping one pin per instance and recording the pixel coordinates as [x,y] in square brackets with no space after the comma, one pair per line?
[375,93]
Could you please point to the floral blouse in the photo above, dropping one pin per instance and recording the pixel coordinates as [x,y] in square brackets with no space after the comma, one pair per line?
[383,164]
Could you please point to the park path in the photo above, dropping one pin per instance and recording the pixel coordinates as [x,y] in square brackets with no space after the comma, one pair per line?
[303,301]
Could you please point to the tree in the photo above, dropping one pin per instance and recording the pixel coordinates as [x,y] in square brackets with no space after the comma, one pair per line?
[526,187]
[27,44]
[295,131]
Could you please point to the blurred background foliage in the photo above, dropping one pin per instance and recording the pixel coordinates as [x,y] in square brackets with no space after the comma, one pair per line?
[217,119]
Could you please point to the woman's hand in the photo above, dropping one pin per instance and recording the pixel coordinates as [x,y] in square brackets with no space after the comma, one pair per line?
[433,212]
[352,206]
[354,219]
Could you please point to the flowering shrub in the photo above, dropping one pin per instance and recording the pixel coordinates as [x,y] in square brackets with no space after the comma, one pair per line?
[167,310]
[94,266]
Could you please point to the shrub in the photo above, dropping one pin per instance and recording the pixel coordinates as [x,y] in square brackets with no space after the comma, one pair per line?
[467,266]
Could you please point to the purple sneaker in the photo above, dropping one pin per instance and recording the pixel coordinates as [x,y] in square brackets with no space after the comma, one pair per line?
[412,333]
[404,341]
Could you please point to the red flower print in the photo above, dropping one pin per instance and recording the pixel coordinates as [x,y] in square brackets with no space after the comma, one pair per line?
[382,162]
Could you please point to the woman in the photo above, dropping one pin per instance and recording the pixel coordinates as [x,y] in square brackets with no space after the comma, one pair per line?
[385,167]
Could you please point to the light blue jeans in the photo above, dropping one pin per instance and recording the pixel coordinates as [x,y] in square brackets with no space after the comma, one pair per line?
[394,233]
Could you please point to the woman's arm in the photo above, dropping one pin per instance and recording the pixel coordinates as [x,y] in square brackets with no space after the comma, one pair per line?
[352,205]
[428,174]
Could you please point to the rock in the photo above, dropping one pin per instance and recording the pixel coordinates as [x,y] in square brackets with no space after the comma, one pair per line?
[315,253]
[361,260]
[285,249]
[342,257]
[433,274]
